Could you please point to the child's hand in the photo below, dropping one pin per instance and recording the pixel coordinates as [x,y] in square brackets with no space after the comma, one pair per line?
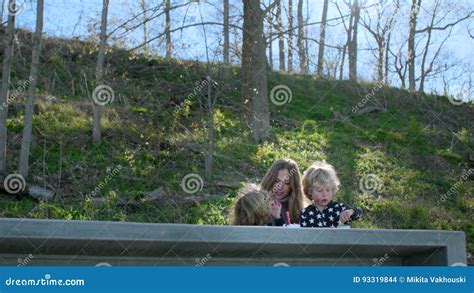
[346,215]
[276,209]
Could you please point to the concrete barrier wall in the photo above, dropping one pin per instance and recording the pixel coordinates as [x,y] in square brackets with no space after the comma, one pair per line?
[63,242]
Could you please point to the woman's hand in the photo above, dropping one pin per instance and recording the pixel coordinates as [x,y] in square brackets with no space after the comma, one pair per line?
[275,209]
[346,215]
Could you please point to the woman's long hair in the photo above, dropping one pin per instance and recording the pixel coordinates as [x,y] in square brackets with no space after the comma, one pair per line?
[297,201]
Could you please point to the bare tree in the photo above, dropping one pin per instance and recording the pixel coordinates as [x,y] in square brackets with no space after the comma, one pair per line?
[348,30]
[281,39]
[226,38]
[379,32]
[209,140]
[209,159]
[3,9]
[290,36]
[400,65]
[270,42]
[415,9]
[352,46]
[99,74]
[332,62]
[26,139]
[387,46]
[254,75]
[7,61]
[306,41]
[424,71]
[322,37]
[145,20]
[301,48]
[435,24]
[169,47]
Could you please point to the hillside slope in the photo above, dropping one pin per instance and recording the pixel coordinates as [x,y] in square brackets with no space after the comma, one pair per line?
[406,164]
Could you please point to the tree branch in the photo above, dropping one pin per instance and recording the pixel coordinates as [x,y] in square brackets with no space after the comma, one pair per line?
[442,28]
[181,28]
[270,7]
[154,9]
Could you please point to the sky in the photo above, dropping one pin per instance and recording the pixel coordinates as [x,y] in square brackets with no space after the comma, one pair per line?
[75,18]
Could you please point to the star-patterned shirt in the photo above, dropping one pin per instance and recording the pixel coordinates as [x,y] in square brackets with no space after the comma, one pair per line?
[312,217]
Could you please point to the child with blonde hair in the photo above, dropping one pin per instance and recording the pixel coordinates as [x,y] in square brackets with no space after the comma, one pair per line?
[320,183]
[253,207]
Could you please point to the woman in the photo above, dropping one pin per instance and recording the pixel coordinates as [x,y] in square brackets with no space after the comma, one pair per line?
[283,182]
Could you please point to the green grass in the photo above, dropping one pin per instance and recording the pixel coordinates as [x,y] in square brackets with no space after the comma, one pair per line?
[416,156]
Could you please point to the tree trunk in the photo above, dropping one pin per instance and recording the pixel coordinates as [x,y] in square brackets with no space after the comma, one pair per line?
[423,60]
[281,40]
[210,137]
[226,38]
[415,7]
[169,47]
[145,34]
[387,48]
[26,139]
[353,44]
[270,44]
[306,41]
[343,60]
[290,36]
[347,46]
[425,71]
[96,131]
[3,9]
[380,59]
[7,61]
[348,30]
[322,38]
[301,49]
[254,75]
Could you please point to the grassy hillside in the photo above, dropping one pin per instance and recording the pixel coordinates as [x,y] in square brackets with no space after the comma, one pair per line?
[418,148]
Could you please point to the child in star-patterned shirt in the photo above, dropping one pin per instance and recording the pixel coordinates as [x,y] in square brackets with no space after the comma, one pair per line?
[320,183]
